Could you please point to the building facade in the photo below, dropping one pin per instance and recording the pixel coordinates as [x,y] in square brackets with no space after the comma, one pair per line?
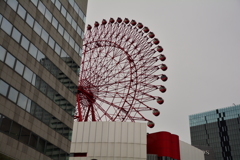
[218,129]
[40,54]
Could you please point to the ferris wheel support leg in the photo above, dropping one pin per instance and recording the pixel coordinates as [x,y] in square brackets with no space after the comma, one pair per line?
[93,114]
[79,109]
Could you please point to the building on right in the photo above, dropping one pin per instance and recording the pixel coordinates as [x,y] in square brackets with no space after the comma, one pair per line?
[218,131]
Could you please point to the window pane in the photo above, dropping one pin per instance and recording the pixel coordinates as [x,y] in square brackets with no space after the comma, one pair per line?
[21,12]
[34,79]
[66,36]
[5,126]
[63,53]
[79,31]
[35,2]
[19,67]
[30,20]
[13,94]
[33,50]
[69,18]
[74,25]
[60,29]
[50,93]
[37,28]
[40,56]
[6,26]
[43,87]
[16,35]
[46,117]
[57,49]
[33,140]
[0,18]
[58,5]
[25,43]
[71,42]
[63,11]
[49,149]
[44,35]
[41,7]
[24,136]
[10,60]
[29,106]
[28,74]
[48,15]
[22,101]
[38,112]
[55,23]
[15,130]
[4,88]
[76,8]
[51,42]
[41,145]
[2,53]
[80,13]
[71,2]
[13,4]
[76,48]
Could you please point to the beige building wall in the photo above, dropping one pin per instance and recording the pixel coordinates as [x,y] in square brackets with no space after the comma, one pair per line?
[188,152]
[109,140]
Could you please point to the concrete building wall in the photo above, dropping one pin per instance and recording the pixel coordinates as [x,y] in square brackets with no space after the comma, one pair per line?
[109,140]
[188,152]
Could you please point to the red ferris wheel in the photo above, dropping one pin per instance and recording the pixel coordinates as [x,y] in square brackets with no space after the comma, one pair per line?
[118,69]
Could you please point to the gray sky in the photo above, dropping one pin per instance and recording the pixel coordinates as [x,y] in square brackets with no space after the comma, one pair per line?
[201,40]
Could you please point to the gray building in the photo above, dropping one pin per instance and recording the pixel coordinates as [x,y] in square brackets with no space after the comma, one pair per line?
[40,54]
[219,131]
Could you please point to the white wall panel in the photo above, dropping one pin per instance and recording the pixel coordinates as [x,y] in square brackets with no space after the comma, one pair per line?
[84,147]
[92,134]
[91,149]
[143,134]
[111,133]
[117,150]
[97,149]
[104,149]
[137,150]
[130,133]
[79,133]
[137,131]
[86,130]
[105,132]
[99,132]
[124,133]
[188,152]
[124,148]
[118,127]
[131,150]
[111,148]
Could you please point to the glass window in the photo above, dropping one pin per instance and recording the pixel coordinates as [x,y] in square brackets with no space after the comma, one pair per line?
[33,50]
[22,101]
[43,87]
[38,81]
[19,67]
[41,145]
[44,35]
[25,43]
[10,60]
[76,8]
[6,26]
[63,11]
[2,53]
[34,79]
[15,130]
[37,28]
[53,1]
[49,149]
[55,153]
[48,15]
[51,42]
[74,25]
[13,94]
[58,4]
[50,93]
[57,49]
[38,112]
[35,2]
[76,48]
[54,22]
[41,7]
[0,19]
[33,140]
[40,56]
[63,53]
[71,2]
[82,35]
[13,4]
[66,36]
[24,135]
[29,20]
[16,35]
[60,29]
[79,31]
[80,13]
[21,12]
[4,88]
[28,74]
[46,117]
[5,126]
[71,42]
[29,105]
[69,18]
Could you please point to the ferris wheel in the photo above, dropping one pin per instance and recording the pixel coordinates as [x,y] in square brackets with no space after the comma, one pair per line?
[118,69]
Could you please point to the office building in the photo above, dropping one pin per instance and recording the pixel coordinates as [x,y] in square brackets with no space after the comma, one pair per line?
[40,54]
[219,130]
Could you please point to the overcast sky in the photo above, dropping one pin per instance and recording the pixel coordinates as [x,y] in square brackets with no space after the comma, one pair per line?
[201,40]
